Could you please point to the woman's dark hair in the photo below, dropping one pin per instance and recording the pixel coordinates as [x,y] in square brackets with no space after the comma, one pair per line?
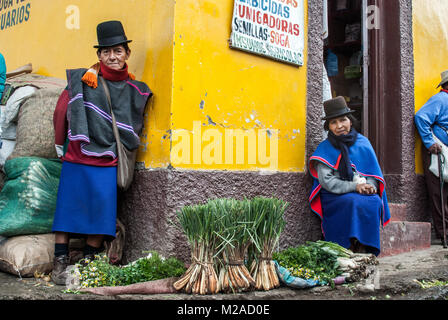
[124,45]
[351,118]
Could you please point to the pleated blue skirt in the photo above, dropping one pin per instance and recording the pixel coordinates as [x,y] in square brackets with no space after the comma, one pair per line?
[352,215]
[86,200]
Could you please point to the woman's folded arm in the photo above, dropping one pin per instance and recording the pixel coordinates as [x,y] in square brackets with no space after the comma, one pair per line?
[332,183]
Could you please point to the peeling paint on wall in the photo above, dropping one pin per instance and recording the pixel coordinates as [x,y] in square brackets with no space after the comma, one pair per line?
[210,121]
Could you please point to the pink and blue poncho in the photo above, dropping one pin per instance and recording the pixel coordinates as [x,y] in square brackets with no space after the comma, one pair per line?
[350,215]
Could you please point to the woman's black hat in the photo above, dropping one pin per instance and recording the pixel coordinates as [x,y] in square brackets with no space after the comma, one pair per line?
[335,108]
[110,33]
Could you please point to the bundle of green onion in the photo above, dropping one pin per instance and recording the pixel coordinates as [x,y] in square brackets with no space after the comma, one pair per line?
[199,223]
[220,234]
[235,231]
[269,224]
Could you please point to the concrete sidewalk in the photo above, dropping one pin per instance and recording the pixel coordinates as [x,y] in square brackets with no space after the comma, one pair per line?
[396,280]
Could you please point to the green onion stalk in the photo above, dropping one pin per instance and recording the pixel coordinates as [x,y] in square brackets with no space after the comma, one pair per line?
[199,224]
[235,232]
[268,225]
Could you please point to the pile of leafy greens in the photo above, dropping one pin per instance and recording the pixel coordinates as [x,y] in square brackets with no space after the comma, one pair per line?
[314,260]
[98,272]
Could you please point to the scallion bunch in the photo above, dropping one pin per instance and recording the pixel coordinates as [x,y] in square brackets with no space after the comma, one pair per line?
[220,233]
[268,225]
[199,223]
[235,232]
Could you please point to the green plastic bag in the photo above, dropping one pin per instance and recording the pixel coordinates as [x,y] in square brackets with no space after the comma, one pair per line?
[28,197]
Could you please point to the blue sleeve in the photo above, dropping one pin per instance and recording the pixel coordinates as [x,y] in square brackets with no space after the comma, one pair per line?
[426,117]
[2,73]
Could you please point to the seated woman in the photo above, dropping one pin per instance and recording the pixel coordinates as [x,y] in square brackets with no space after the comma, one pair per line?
[348,192]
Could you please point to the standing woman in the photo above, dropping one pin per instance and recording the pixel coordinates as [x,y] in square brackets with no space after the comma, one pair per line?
[87,194]
[348,191]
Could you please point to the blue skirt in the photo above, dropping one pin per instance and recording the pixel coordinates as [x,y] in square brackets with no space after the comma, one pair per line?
[352,215]
[86,200]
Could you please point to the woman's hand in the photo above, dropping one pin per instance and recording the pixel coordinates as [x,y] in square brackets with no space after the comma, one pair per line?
[365,188]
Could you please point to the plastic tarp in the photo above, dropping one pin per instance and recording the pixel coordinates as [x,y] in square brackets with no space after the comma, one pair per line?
[289,280]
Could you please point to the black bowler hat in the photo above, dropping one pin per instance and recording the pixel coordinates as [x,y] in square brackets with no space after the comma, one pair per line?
[335,108]
[110,33]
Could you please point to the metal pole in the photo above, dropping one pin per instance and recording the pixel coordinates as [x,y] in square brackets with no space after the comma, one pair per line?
[441,161]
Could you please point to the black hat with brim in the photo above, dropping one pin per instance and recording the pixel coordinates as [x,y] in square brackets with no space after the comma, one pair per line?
[335,108]
[110,33]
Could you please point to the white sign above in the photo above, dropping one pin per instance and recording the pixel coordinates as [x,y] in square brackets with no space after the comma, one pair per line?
[271,28]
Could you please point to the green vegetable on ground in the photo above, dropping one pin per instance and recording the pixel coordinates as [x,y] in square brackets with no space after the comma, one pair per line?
[427,284]
[314,260]
[235,231]
[222,233]
[98,272]
[199,223]
[268,226]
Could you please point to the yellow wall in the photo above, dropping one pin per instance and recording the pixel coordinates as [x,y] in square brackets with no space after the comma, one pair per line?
[430,45]
[59,35]
[180,49]
[233,89]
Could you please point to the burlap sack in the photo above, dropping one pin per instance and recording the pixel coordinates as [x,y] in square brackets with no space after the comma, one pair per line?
[41,82]
[35,131]
[24,255]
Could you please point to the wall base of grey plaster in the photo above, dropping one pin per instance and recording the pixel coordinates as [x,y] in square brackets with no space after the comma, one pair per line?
[148,209]
[411,191]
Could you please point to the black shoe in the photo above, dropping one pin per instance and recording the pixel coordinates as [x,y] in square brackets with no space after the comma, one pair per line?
[59,273]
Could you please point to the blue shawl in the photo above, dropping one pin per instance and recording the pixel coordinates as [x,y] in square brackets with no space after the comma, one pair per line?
[363,159]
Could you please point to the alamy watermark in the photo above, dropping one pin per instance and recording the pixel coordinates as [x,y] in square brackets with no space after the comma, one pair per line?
[72,22]
[211,146]
[372,17]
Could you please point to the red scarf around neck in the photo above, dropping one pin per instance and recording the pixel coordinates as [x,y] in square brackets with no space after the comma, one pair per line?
[91,76]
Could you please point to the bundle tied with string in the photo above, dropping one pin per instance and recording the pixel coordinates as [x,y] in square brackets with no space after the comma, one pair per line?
[199,224]
[268,226]
[222,234]
[235,225]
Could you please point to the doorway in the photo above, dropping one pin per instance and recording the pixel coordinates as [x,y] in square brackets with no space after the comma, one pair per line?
[343,56]
[363,64]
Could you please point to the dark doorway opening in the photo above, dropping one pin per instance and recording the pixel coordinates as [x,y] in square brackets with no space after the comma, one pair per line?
[363,62]
[343,54]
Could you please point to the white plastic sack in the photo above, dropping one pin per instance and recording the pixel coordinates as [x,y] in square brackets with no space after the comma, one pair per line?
[6,149]
[9,112]
[434,166]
